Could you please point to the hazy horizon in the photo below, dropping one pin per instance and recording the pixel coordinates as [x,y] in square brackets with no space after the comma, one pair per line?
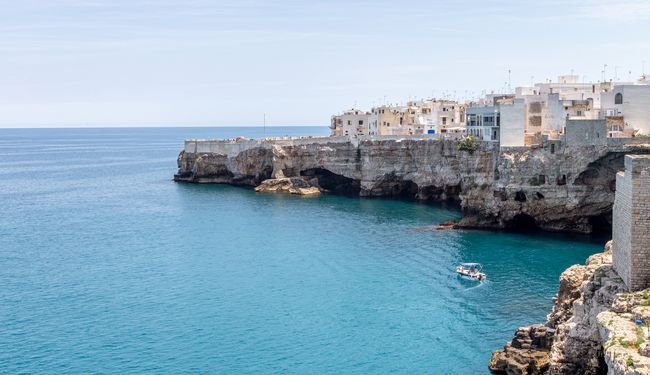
[145,63]
[153,126]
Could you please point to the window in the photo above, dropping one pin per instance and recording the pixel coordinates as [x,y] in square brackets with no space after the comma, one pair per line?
[618,99]
[360,122]
[444,121]
[349,122]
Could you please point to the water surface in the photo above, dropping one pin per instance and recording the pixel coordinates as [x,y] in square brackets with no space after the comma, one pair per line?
[107,266]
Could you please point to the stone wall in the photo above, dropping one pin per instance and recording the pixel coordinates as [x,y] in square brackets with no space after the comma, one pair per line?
[586,132]
[631,224]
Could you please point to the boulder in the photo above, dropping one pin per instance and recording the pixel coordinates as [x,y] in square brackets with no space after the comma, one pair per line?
[291,185]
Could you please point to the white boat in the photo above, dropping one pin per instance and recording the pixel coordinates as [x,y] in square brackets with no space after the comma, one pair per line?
[471,271]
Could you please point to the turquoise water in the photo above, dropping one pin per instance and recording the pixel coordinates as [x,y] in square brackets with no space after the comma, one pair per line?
[107,266]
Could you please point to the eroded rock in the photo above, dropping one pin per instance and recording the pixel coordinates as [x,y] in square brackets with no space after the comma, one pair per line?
[526,354]
[568,189]
[291,185]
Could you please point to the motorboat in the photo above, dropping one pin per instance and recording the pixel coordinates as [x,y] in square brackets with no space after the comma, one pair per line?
[471,271]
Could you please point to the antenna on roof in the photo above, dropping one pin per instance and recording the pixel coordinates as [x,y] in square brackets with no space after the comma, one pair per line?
[509,86]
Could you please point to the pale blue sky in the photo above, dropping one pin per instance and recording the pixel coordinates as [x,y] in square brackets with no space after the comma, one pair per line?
[200,62]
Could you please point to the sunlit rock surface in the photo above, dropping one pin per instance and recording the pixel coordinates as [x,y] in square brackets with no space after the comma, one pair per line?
[564,189]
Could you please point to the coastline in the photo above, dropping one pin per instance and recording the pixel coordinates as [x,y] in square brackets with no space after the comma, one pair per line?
[566,187]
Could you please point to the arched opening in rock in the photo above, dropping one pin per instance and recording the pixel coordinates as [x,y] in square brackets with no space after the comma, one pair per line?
[602,172]
[601,224]
[521,223]
[332,182]
[520,196]
[437,194]
[391,185]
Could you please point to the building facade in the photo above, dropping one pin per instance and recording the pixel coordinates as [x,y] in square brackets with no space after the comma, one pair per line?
[350,122]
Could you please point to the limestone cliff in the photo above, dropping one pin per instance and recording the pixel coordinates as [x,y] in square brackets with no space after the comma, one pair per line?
[595,327]
[553,188]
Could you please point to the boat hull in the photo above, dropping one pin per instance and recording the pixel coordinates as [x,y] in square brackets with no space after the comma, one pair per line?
[472,277]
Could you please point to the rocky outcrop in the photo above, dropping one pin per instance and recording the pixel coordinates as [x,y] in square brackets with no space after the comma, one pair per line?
[625,333]
[595,327]
[526,354]
[558,189]
[578,346]
[291,185]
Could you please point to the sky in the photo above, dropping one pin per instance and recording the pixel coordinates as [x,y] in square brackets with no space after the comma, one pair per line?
[232,62]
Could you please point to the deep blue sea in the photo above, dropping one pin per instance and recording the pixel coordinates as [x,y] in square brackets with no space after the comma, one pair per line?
[108,266]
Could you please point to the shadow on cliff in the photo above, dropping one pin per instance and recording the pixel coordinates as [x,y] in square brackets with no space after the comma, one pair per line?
[332,182]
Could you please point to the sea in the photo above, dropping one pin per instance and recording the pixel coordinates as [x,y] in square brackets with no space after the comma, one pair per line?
[107,266]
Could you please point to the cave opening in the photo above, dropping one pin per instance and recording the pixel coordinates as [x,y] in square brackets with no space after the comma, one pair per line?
[391,185]
[439,194]
[332,182]
[601,224]
[602,172]
[522,223]
[520,196]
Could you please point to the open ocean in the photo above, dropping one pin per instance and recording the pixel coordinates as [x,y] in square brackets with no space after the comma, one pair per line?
[108,266]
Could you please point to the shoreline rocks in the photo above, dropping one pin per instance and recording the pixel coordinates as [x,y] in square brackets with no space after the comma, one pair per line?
[595,327]
[527,354]
[290,185]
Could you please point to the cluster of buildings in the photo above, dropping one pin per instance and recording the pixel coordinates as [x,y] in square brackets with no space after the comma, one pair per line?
[522,118]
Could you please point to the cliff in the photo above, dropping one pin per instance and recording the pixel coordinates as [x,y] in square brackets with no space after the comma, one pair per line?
[595,327]
[559,188]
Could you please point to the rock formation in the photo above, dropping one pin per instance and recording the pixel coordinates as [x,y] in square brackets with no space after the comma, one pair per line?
[291,185]
[526,354]
[560,188]
[595,327]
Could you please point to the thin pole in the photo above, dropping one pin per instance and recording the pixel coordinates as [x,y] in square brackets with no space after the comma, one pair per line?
[509,86]
[264,131]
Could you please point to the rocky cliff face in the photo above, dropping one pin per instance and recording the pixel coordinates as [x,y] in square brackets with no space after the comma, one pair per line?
[595,327]
[561,189]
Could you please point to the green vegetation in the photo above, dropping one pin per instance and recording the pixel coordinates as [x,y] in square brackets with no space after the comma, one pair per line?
[469,144]
[639,337]
[624,343]
[629,362]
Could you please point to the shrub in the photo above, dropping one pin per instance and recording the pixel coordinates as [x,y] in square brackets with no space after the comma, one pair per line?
[469,144]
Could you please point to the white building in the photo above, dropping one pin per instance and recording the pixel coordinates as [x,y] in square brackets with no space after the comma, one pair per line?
[632,103]
[545,108]
[350,122]
[438,117]
[512,132]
